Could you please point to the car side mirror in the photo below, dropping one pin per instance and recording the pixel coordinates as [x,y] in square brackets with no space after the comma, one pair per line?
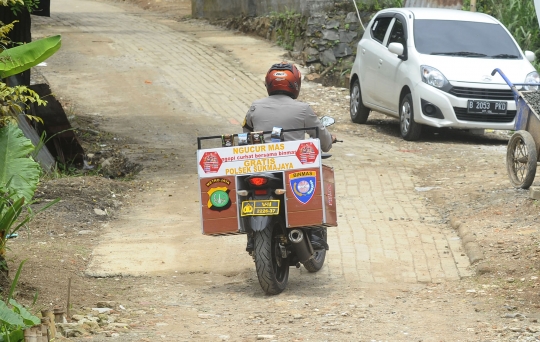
[396,48]
[327,121]
[531,57]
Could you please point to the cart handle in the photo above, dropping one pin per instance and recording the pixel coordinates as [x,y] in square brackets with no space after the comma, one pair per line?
[199,139]
[513,85]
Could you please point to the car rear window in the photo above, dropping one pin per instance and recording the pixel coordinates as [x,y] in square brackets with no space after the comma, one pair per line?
[452,36]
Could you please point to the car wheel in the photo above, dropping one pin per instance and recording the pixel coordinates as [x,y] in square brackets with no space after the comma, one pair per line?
[359,112]
[410,130]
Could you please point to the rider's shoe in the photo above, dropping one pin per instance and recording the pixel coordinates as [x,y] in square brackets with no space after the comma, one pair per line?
[317,240]
[250,244]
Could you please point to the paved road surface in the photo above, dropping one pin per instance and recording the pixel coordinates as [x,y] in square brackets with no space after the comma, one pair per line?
[159,84]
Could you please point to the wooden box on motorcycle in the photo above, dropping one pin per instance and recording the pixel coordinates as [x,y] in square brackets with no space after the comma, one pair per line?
[306,194]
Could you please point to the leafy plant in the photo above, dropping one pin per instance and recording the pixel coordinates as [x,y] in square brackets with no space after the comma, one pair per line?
[15,318]
[518,16]
[23,57]
[19,177]
[288,27]
[17,6]
[14,100]
[17,171]
[377,5]
[4,31]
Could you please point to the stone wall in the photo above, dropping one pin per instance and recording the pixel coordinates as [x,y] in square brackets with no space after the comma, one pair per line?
[220,9]
[325,42]
[330,38]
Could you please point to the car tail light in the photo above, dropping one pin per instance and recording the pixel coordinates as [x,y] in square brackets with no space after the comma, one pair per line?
[261,191]
[258,181]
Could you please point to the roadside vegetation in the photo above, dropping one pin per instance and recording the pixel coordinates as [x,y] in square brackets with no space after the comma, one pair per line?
[519,16]
[19,172]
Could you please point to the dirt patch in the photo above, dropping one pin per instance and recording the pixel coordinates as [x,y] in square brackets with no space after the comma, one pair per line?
[470,184]
[468,181]
[56,246]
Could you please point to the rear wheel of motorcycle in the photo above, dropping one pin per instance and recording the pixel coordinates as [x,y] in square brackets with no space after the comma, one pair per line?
[272,269]
[317,262]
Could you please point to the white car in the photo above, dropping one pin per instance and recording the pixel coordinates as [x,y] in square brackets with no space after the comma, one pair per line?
[434,67]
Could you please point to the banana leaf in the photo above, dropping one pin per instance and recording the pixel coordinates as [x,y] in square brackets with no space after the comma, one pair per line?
[18,171]
[10,215]
[9,317]
[23,57]
[28,319]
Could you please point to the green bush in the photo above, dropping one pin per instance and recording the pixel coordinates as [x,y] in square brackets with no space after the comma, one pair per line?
[377,5]
[519,16]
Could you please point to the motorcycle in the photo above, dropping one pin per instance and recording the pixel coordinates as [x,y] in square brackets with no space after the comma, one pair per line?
[284,204]
[275,247]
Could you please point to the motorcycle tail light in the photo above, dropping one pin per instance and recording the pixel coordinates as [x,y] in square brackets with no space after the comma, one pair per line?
[258,181]
[261,191]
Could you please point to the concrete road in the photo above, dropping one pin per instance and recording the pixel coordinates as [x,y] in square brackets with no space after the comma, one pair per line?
[160,84]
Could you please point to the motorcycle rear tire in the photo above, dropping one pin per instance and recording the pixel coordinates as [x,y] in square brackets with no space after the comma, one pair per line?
[272,269]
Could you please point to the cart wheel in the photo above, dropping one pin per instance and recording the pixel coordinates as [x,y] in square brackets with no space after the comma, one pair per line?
[521,157]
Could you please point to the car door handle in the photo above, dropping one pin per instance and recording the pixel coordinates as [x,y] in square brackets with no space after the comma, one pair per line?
[363,51]
[380,61]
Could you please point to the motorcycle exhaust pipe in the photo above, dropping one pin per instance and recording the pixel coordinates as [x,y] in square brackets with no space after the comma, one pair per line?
[300,245]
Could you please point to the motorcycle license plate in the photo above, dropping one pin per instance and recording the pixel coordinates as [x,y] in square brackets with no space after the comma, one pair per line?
[260,207]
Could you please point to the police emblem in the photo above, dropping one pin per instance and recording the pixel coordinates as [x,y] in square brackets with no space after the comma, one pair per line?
[218,199]
[303,185]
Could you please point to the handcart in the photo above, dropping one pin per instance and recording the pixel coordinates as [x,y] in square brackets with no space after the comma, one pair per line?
[524,146]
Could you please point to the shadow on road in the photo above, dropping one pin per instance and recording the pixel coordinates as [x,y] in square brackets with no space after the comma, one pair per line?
[390,128]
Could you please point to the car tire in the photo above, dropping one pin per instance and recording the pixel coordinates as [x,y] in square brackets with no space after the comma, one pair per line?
[359,112]
[410,130]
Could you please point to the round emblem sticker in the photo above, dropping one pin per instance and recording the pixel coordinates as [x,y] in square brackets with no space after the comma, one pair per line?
[219,198]
[303,186]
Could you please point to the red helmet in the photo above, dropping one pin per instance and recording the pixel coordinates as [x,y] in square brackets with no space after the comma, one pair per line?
[283,78]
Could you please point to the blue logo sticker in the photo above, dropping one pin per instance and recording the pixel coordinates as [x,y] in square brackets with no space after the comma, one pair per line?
[303,185]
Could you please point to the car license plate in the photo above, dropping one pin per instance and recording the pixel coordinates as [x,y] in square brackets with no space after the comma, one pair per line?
[486,107]
[260,207]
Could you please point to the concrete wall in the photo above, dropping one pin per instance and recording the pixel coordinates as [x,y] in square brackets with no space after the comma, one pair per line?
[220,9]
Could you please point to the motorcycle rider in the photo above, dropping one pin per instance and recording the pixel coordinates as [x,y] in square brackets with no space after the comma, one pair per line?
[281,109]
